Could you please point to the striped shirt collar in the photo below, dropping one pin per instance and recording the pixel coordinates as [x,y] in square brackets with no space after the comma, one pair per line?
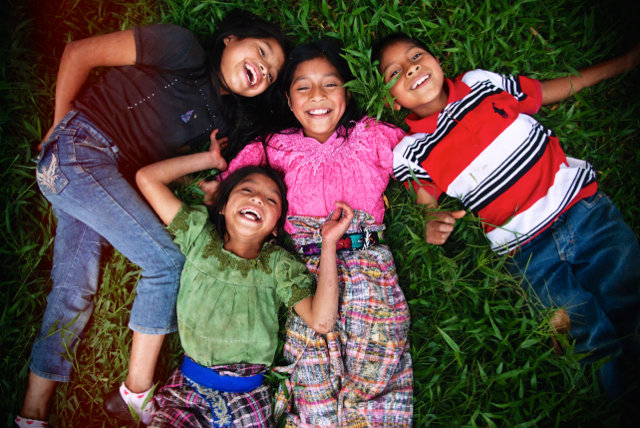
[457,91]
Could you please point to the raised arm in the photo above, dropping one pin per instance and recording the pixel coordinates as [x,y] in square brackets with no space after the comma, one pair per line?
[153,180]
[555,90]
[79,57]
[321,311]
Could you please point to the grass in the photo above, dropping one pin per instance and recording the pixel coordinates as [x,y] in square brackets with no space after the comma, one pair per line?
[481,356]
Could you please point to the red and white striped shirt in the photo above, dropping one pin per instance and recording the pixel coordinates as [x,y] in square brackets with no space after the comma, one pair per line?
[484,149]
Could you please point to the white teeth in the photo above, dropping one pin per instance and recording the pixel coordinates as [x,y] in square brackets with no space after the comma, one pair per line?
[251,213]
[323,111]
[419,82]
[253,76]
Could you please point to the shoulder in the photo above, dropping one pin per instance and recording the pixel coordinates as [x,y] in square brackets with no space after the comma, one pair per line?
[369,125]
[498,80]
[167,46]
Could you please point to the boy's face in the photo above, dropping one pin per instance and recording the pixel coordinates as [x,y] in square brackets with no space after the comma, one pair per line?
[420,85]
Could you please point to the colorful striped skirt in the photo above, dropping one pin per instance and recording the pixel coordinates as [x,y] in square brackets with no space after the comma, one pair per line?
[185,406]
[360,374]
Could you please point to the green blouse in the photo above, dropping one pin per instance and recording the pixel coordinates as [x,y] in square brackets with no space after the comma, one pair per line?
[228,306]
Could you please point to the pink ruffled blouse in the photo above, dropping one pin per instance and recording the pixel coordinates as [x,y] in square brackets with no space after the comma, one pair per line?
[355,170]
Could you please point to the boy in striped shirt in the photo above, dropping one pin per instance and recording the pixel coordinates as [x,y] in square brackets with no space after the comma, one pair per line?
[473,138]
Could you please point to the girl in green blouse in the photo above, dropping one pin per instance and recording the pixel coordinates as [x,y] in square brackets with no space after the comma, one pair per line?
[232,286]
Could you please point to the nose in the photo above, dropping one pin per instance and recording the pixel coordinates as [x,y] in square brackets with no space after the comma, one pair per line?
[317,93]
[413,69]
[263,70]
[257,199]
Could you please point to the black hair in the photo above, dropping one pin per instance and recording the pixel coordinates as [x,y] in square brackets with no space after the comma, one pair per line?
[238,111]
[229,183]
[385,42]
[282,118]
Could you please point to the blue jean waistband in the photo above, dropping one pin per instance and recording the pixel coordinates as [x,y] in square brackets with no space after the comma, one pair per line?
[211,379]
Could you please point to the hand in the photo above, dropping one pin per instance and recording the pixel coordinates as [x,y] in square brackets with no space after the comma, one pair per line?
[209,188]
[335,227]
[217,161]
[44,140]
[440,227]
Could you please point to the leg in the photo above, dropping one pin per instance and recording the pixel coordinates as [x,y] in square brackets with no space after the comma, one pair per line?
[79,174]
[37,401]
[145,350]
[76,266]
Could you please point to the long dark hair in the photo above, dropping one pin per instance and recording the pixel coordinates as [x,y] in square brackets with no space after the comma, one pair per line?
[229,183]
[240,111]
[282,120]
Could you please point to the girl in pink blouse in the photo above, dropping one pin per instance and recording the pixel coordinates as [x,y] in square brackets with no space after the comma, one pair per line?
[360,373]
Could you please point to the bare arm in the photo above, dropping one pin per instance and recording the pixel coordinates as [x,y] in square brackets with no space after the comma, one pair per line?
[153,180]
[321,311]
[440,223]
[555,90]
[79,57]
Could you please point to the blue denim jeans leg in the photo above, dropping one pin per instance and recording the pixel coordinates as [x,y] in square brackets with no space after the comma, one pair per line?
[588,262]
[79,174]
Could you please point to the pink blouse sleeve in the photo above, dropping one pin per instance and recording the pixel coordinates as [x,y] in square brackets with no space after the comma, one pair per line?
[251,155]
[387,138]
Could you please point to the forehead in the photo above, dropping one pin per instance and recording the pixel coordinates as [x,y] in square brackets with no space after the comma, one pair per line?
[395,51]
[315,68]
[261,180]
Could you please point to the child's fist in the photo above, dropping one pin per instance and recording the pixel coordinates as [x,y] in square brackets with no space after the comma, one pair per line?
[336,226]
[217,145]
[440,225]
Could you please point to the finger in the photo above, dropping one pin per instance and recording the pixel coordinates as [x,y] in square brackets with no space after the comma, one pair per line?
[458,214]
[438,226]
[213,134]
[336,214]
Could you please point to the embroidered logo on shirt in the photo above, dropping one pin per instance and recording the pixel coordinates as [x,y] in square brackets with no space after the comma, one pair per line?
[501,112]
[187,116]
[47,176]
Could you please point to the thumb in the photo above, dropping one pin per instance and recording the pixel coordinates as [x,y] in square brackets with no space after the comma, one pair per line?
[458,214]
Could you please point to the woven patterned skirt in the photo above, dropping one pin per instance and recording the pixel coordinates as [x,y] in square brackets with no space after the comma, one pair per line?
[181,405]
[360,374]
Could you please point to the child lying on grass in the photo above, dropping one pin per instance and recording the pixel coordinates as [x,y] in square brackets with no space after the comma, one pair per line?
[473,138]
[231,287]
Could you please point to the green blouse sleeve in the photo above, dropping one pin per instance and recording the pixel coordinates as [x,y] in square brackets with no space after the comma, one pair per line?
[188,223]
[294,281]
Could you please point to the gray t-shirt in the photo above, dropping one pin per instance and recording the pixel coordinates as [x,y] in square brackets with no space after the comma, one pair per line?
[154,107]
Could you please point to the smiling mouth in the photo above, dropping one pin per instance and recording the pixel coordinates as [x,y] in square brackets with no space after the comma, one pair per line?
[252,75]
[420,81]
[319,111]
[251,214]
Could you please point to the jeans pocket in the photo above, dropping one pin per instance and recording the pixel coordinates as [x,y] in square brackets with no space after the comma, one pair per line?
[591,201]
[50,178]
[92,151]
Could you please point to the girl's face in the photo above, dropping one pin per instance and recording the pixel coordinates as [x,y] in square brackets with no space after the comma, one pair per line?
[253,209]
[248,66]
[317,98]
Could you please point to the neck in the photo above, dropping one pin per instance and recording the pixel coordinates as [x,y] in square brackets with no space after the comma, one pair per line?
[243,249]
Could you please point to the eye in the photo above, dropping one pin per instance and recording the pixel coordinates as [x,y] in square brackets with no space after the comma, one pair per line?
[270,78]
[246,189]
[393,73]
[273,201]
[416,56]
[262,52]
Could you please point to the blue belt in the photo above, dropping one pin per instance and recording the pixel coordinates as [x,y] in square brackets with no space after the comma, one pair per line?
[211,379]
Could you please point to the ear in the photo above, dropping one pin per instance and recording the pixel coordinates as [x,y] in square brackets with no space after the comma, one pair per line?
[228,40]
[289,101]
[275,231]
[222,209]
[348,97]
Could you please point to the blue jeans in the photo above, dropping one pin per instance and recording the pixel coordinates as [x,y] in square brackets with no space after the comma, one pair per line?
[588,262]
[78,172]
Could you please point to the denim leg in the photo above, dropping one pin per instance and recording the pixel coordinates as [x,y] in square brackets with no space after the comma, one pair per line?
[76,267]
[587,262]
[79,175]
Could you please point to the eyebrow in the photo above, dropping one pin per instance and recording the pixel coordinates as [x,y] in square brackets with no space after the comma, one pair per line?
[405,52]
[307,77]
